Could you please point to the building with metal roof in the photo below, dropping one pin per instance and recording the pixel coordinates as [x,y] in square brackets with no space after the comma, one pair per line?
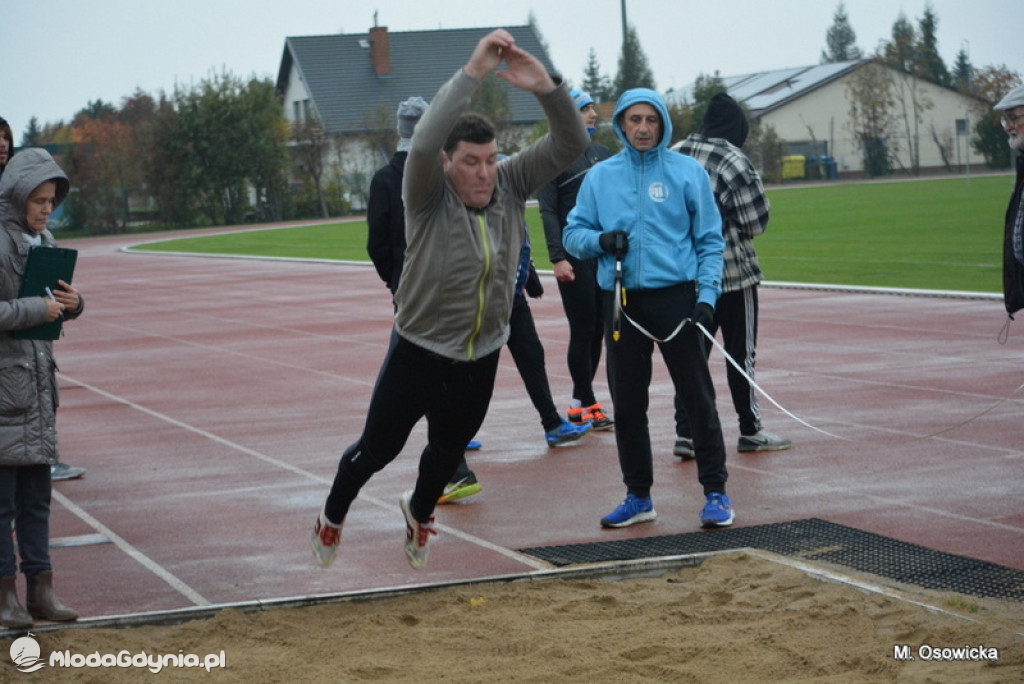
[810,109]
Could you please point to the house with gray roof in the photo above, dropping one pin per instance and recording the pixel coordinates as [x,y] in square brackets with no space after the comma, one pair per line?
[810,109]
[347,82]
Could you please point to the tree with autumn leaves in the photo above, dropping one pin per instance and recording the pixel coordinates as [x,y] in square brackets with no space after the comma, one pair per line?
[205,155]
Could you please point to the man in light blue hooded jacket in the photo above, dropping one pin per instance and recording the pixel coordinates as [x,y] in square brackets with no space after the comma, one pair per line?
[650,217]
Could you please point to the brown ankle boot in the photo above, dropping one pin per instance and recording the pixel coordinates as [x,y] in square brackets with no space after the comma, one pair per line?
[43,604]
[12,615]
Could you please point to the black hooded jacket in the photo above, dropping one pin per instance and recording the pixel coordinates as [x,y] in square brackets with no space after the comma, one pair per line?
[385,218]
[724,118]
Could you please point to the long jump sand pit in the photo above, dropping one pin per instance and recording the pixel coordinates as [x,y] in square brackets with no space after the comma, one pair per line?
[736,617]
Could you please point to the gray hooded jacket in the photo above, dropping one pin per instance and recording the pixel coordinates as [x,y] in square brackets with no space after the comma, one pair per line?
[28,384]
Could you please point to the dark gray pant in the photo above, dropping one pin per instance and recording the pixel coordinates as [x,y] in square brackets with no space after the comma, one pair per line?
[25,500]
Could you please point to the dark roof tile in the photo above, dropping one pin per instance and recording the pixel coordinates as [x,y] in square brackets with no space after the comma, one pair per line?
[339,73]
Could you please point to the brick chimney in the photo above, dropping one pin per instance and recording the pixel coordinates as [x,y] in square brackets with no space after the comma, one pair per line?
[380,53]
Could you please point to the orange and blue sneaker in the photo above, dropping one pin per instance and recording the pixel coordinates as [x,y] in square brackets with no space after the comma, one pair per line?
[592,414]
[596,417]
[565,433]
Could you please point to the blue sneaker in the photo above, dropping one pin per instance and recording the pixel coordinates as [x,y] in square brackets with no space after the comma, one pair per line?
[630,512]
[717,512]
[566,432]
[473,445]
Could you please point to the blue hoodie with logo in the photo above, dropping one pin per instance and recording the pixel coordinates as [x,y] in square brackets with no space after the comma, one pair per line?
[664,200]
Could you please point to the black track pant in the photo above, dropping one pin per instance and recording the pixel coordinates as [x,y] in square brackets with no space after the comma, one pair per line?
[629,377]
[736,317]
[581,300]
[414,383]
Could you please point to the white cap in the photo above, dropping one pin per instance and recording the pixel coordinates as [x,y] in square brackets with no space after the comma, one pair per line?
[1014,98]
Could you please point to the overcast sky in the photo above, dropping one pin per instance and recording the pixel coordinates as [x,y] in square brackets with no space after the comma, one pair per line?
[58,55]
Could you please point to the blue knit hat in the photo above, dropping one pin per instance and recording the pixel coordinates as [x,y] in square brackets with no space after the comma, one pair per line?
[581,98]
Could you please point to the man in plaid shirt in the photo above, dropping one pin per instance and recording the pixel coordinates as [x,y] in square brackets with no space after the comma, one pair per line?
[745,209]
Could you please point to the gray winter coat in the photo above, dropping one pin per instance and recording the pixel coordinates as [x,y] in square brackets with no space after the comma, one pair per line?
[28,383]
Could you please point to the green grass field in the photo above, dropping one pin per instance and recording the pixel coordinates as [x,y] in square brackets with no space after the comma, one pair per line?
[935,235]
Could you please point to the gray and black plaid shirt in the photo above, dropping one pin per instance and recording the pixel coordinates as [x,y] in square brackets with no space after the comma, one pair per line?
[741,200]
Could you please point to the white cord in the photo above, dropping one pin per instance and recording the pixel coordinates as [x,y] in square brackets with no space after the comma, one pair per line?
[758,387]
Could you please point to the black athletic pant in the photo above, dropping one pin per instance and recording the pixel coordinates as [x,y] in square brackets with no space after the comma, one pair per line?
[736,316]
[413,383]
[629,377]
[584,310]
[528,353]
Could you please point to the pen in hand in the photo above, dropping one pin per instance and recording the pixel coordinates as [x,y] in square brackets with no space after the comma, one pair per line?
[49,293]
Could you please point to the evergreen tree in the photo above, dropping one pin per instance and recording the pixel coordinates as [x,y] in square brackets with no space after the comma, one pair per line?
[900,52]
[705,88]
[594,82]
[928,62]
[634,71]
[963,72]
[687,116]
[840,40]
[32,137]
[95,109]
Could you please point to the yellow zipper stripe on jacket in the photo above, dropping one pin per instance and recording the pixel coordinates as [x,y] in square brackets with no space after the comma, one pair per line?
[480,296]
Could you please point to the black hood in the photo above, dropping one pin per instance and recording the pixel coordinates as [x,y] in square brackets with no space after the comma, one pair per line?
[724,118]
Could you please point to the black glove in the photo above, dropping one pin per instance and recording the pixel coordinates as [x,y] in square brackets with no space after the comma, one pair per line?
[615,242]
[704,314]
[534,288]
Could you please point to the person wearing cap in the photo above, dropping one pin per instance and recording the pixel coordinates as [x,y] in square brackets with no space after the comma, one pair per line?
[577,278]
[385,213]
[464,231]
[649,217]
[1012,119]
[385,243]
[745,211]
[58,470]
[32,186]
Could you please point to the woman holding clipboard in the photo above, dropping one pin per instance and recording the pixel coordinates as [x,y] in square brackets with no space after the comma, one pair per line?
[31,187]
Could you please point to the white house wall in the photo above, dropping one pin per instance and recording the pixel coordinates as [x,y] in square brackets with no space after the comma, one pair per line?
[826,112]
[295,92]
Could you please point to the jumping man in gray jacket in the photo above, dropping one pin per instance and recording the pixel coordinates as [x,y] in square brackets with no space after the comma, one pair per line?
[464,232]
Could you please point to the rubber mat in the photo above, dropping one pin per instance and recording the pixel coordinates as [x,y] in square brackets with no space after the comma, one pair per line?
[814,539]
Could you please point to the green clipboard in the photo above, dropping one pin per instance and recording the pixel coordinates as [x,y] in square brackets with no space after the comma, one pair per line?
[44,267]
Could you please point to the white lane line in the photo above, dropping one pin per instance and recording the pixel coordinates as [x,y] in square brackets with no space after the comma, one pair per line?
[144,560]
[181,586]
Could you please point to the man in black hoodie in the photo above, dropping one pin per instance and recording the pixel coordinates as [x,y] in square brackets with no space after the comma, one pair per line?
[745,209]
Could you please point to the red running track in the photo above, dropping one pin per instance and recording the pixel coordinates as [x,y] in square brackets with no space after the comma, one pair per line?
[210,399]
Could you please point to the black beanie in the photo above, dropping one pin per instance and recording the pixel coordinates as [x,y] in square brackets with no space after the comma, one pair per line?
[724,118]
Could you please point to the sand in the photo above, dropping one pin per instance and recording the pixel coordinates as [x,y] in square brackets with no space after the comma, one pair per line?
[734,618]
